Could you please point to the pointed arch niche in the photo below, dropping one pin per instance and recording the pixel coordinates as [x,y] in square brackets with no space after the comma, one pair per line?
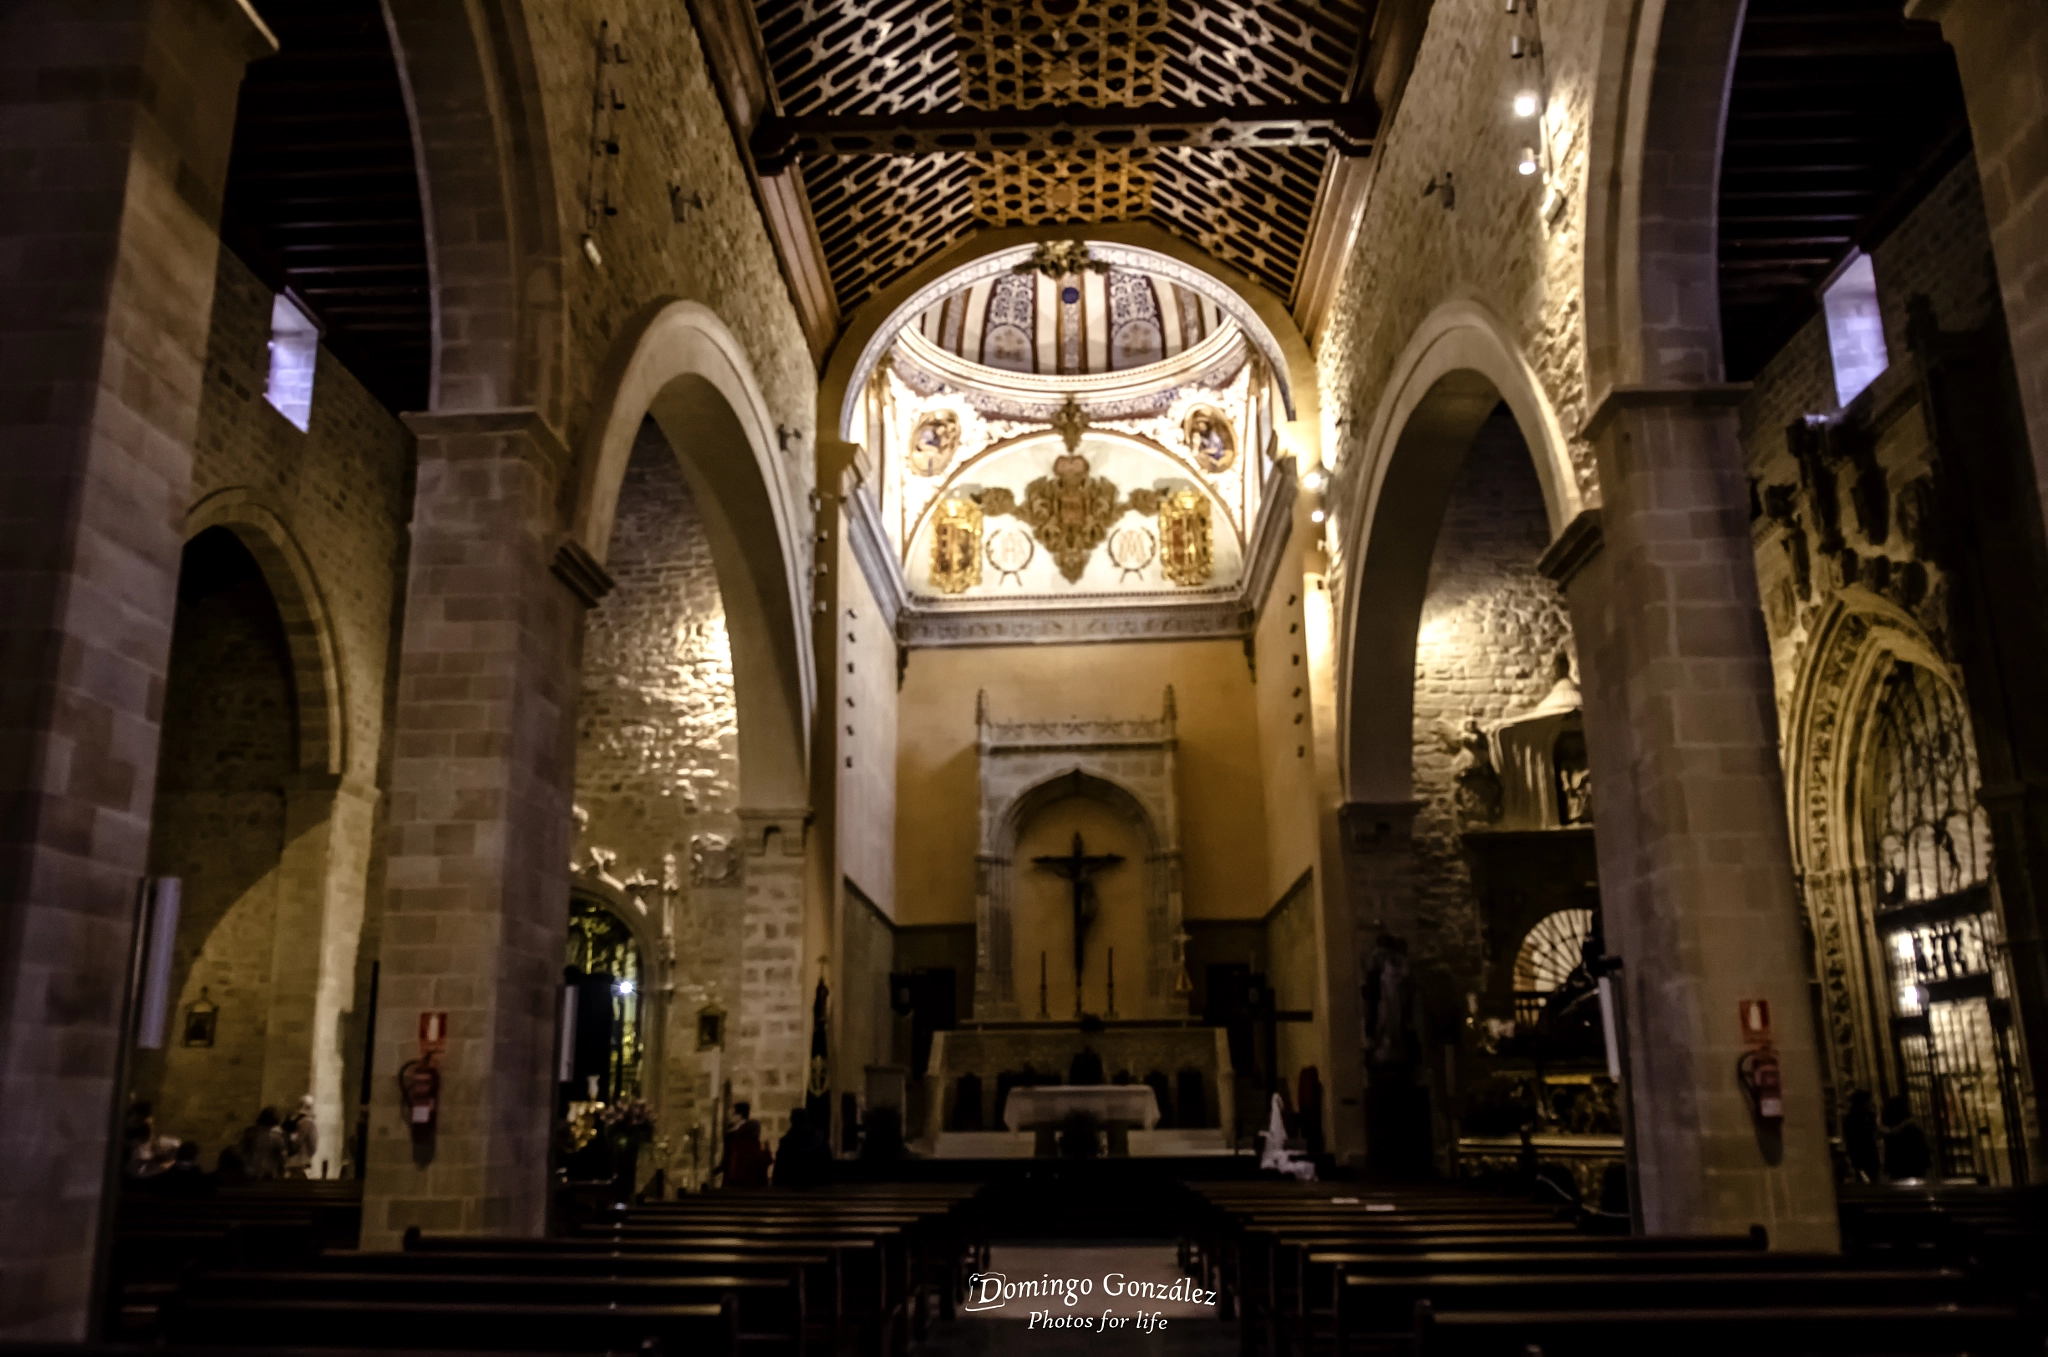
[1874,934]
[1127,767]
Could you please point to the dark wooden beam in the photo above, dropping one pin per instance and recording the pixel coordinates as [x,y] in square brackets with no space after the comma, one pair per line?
[1380,75]
[780,142]
[731,35]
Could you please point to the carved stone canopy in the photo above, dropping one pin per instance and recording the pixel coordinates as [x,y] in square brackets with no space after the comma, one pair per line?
[1127,764]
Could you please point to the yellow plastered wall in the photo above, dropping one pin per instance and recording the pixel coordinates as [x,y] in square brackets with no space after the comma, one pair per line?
[1222,797]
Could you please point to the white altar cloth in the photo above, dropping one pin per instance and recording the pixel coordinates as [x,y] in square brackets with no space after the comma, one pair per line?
[1048,1104]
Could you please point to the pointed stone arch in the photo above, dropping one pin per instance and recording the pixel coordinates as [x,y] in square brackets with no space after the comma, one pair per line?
[1459,366]
[308,628]
[677,363]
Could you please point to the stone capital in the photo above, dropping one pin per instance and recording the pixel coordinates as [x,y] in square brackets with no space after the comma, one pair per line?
[1573,550]
[1675,397]
[465,433]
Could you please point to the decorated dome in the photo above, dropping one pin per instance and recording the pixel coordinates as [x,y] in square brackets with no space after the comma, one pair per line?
[1116,320]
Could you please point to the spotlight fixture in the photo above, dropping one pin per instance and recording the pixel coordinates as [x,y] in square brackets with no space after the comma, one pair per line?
[1314,480]
[1525,104]
[1527,164]
[1316,516]
[590,251]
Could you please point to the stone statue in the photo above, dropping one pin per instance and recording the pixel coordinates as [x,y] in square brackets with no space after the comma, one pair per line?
[1478,786]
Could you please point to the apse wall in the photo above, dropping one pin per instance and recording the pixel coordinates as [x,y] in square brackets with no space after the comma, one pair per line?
[657,771]
[1223,821]
[1490,629]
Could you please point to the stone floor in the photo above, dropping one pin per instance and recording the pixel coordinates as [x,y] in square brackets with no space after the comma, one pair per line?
[1189,1329]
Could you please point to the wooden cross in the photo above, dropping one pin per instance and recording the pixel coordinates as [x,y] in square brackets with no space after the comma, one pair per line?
[1077,867]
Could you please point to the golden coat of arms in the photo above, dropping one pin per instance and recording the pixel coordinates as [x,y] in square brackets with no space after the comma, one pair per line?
[1069,511]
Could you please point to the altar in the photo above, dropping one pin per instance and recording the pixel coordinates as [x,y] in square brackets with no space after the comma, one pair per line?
[1029,1109]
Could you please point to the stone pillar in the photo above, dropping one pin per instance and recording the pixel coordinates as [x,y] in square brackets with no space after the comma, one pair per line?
[771,1050]
[477,902]
[2002,52]
[1380,881]
[1696,882]
[115,123]
[323,877]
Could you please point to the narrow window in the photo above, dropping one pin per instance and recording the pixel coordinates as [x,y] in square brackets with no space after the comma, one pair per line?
[294,350]
[1855,329]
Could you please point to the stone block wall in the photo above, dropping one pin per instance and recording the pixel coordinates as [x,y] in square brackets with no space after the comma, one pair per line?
[673,138]
[1491,628]
[340,493]
[657,778]
[1940,250]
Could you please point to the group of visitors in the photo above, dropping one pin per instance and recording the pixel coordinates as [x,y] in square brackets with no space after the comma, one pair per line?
[270,1147]
[802,1158]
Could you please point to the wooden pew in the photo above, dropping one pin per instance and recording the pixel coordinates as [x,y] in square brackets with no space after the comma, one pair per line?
[1801,1331]
[453,1326]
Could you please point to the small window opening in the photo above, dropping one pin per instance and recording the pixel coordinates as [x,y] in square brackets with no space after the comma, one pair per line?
[294,352]
[1855,329]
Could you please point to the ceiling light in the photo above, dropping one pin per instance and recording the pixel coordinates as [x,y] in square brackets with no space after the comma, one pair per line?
[1527,164]
[1314,480]
[1316,517]
[625,987]
[1525,104]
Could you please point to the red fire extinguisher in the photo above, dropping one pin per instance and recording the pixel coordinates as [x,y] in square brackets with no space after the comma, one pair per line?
[1758,1071]
[419,1093]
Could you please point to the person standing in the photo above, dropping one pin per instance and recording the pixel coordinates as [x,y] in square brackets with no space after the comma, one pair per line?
[302,1140]
[263,1147]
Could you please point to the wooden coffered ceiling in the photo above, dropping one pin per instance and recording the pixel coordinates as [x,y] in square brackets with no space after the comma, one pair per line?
[883,131]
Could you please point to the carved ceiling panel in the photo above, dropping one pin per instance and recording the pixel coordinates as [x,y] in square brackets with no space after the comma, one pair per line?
[880,216]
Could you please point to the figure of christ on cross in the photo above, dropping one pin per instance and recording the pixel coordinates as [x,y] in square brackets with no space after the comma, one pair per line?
[1078,867]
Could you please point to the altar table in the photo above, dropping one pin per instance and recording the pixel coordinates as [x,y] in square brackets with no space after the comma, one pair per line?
[1041,1106]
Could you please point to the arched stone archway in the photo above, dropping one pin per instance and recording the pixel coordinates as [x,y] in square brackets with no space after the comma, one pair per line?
[1457,369]
[678,364]
[316,670]
[487,186]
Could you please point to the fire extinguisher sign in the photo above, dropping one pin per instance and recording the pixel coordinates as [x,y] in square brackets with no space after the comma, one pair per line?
[433,1033]
[1756,1022]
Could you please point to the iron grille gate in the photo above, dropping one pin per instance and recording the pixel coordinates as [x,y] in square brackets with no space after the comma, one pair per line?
[1949,998]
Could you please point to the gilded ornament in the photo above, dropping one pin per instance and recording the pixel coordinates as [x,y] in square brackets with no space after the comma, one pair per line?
[1058,259]
[934,439]
[956,546]
[1211,440]
[1184,547]
[1069,512]
[1070,421]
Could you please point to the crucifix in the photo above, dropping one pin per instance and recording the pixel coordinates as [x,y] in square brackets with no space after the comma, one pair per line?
[1077,868]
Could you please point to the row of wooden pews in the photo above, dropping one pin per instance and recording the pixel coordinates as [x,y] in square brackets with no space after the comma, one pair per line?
[1322,1270]
[157,1239]
[852,1271]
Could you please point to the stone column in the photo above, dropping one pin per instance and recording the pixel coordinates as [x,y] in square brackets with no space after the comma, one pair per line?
[1381,885]
[771,1050]
[115,122]
[323,877]
[477,903]
[1696,883]
[2002,51]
